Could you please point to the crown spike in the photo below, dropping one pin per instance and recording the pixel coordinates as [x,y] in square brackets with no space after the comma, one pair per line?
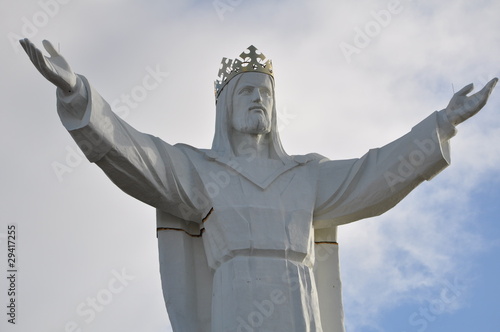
[250,60]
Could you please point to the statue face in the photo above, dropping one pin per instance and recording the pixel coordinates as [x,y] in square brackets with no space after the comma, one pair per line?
[253,104]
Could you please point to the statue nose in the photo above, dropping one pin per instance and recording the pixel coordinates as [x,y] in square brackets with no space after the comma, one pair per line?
[256,95]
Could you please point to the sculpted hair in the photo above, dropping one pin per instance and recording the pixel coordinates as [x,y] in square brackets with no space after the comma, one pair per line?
[223,112]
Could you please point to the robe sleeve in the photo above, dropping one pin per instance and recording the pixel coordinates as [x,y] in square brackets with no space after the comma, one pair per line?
[349,190]
[142,165]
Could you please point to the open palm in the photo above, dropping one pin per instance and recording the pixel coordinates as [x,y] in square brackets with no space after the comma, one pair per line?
[54,68]
[462,107]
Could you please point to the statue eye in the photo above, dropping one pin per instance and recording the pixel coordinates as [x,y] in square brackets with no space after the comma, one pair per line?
[265,92]
[246,90]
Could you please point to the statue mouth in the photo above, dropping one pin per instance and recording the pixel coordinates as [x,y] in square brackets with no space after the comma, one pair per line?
[258,108]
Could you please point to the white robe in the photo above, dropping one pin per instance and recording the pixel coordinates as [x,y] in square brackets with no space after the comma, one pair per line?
[252,251]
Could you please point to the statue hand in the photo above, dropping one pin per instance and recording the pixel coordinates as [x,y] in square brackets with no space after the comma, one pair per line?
[55,68]
[462,107]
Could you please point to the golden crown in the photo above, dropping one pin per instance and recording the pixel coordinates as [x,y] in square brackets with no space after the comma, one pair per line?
[251,60]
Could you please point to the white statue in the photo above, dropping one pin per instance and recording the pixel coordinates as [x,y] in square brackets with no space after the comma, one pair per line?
[246,232]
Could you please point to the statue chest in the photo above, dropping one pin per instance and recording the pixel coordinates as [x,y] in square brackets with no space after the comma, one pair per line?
[248,219]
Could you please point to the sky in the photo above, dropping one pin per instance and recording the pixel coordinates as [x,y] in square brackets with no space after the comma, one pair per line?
[350,76]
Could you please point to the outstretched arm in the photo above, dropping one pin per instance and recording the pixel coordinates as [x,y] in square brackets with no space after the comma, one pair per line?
[462,107]
[354,189]
[141,165]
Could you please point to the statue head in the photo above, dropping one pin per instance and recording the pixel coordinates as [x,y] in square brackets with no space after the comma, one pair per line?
[252,104]
[245,102]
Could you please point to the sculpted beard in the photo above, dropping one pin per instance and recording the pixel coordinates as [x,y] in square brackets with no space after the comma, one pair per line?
[255,123]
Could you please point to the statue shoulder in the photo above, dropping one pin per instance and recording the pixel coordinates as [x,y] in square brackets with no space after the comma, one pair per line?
[186,147]
[303,159]
[192,152]
[324,162]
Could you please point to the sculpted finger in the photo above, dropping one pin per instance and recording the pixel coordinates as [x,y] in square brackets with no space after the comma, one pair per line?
[482,96]
[42,65]
[23,44]
[465,90]
[489,86]
[27,46]
[50,48]
[31,51]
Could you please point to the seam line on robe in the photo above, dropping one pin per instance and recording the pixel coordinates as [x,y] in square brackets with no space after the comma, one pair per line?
[178,229]
[208,215]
